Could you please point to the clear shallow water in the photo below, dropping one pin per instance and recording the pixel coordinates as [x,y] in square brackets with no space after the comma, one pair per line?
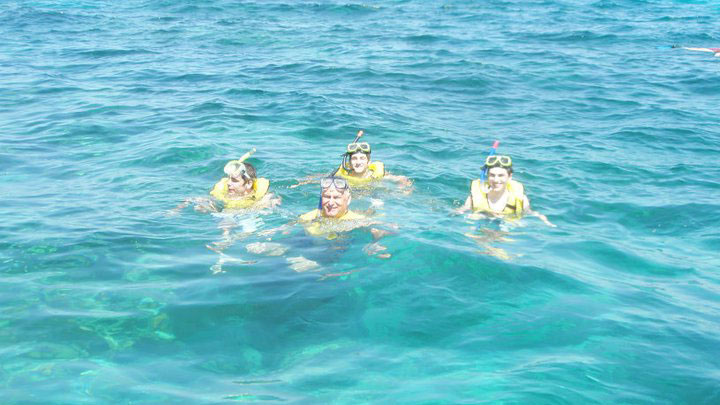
[113,113]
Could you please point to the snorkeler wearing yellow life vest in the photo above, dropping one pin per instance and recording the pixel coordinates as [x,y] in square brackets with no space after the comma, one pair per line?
[241,188]
[334,208]
[332,218]
[241,195]
[361,172]
[500,195]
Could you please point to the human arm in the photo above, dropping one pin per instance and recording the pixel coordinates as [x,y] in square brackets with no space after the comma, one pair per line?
[375,248]
[202,204]
[527,210]
[309,179]
[716,51]
[402,181]
[269,200]
[282,228]
[699,49]
[465,207]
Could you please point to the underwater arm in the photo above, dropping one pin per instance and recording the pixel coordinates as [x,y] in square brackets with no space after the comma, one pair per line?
[269,200]
[374,248]
[282,228]
[401,181]
[527,210]
[202,204]
[465,207]
[309,179]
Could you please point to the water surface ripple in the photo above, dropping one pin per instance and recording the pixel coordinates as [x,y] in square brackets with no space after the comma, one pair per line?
[114,112]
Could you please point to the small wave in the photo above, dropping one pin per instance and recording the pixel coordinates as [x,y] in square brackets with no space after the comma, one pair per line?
[192,77]
[177,155]
[425,38]
[110,53]
[345,9]
[582,36]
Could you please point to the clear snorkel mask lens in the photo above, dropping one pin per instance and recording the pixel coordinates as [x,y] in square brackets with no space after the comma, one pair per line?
[358,146]
[236,169]
[498,160]
[338,182]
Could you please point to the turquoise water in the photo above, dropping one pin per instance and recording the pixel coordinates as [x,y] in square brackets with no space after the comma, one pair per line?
[114,112]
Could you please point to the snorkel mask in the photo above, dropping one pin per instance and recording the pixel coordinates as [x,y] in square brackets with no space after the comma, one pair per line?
[235,168]
[353,148]
[498,160]
[363,147]
[338,183]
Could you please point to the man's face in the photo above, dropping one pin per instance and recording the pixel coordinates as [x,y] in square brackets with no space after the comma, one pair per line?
[498,178]
[335,202]
[359,162]
[239,185]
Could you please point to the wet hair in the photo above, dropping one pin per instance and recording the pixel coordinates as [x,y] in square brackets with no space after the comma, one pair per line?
[508,168]
[250,170]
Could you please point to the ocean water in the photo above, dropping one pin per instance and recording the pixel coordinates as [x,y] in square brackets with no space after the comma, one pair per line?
[112,113]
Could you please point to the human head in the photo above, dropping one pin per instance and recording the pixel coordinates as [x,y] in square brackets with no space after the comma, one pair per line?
[335,198]
[359,154]
[499,171]
[235,168]
[241,176]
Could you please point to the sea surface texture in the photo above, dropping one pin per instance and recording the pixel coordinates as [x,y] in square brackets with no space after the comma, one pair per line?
[114,112]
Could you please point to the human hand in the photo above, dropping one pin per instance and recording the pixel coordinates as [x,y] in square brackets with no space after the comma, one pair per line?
[377,203]
[374,249]
[546,221]
[172,213]
[301,264]
[378,233]
[476,216]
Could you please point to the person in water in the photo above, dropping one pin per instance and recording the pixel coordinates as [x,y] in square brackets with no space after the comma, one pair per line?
[241,189]
[362,171]
[716,51]
[334,209]
[332,217]
[238,198]
[500,195]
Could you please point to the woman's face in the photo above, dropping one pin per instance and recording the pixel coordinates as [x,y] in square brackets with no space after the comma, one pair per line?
[498,178]
[359,162]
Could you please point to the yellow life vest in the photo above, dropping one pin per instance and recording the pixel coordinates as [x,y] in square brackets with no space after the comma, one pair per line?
[220,191]
[377,172]
[513,206]
[317,225]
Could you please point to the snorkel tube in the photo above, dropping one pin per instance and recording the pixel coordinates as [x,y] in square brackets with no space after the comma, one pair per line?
[346,157]
[246,155]
[345,164]
[483,175]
